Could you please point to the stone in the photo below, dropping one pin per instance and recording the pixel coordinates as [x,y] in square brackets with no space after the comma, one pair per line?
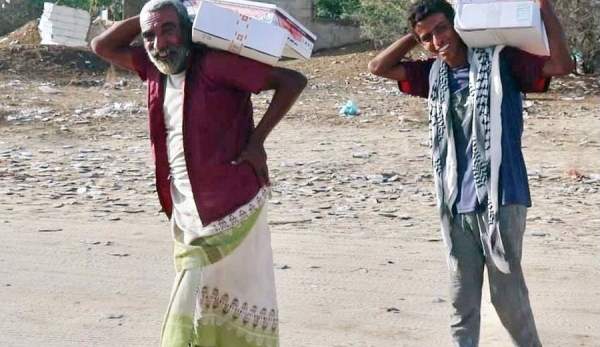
[387,214]
[539,234]
[362,155]
[49,230]
[291,221]
[117,254]
[89,242]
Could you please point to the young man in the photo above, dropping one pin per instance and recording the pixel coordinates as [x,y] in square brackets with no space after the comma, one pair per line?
[476,123]
[211,174]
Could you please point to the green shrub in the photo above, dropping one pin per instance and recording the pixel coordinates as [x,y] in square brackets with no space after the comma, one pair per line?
[337,9]
[382,21]
[581,21]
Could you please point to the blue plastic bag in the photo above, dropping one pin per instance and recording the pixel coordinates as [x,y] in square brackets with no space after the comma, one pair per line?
[350,109]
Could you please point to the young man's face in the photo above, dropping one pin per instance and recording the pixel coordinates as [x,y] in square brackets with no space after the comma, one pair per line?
[436,33]
[163,40]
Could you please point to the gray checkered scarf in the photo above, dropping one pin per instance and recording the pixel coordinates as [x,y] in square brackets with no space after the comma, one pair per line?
[485,97]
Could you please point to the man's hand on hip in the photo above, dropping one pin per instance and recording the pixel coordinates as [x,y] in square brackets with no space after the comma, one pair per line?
[255,155]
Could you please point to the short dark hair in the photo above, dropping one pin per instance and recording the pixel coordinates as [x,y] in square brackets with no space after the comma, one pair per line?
[421,9]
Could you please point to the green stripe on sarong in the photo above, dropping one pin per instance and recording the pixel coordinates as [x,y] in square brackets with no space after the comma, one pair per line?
[209,250]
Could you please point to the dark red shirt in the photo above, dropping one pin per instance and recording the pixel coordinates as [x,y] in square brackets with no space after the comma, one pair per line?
[525,68]
[217,124]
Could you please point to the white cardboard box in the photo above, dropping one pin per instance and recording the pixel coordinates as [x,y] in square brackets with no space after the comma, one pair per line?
[51,10]
[55,32]
[62,25]
[63,41]
[224,29]
[484,23]
[299,41]
[61,18]
[64,29]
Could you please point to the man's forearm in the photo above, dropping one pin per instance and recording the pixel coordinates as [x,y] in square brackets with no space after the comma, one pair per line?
[386,64]
[559,50]
[120,34]
[286,93]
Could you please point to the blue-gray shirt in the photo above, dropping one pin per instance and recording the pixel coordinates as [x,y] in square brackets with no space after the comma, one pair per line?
[462,126]
[520,72]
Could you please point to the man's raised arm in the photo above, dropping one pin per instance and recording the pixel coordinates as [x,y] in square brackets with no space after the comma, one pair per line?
[387,63]
[560,62]
[114,44]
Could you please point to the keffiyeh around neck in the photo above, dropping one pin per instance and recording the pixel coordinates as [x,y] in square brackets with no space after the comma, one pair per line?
[485,95]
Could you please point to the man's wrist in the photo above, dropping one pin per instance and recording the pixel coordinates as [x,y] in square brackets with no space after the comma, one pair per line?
[257,140]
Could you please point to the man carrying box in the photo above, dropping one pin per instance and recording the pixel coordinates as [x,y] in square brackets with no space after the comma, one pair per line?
[476,123]
[211,174]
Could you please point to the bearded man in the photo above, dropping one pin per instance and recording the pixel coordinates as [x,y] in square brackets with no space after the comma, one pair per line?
[211,174]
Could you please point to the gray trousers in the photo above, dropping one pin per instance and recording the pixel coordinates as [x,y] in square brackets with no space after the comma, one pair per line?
[508,291]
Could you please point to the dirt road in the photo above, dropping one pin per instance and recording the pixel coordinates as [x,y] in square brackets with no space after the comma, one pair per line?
[85,257]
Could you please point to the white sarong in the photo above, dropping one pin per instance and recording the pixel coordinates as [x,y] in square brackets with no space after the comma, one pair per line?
[224,290]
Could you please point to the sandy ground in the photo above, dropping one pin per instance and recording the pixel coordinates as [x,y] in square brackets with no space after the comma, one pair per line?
[85,257]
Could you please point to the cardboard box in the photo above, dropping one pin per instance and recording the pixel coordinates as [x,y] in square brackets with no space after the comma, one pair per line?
[251,26]
[51,10]
[62,25]
[484,23]
[76,31]
[301,41]
[66,20]
[63,41]
[224,29]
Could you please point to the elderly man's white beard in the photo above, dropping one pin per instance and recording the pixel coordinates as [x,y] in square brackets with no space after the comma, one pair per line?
[170,60]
